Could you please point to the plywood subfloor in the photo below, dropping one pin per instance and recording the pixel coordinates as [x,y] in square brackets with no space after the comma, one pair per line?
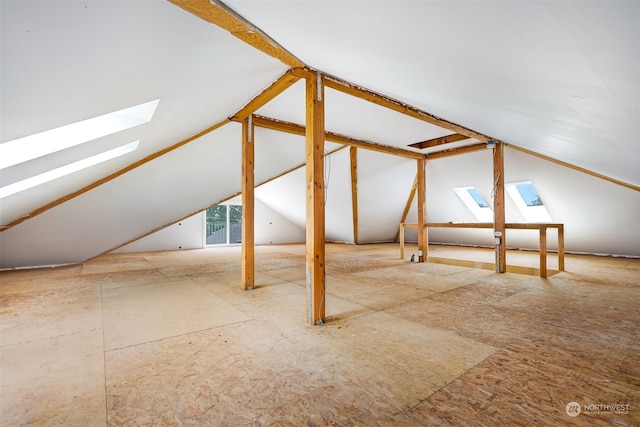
[169,338]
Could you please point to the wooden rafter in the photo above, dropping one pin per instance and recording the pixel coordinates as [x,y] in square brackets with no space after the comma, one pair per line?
[385,101]
[275,89]
[576,168]
[296,129]
[219,14]
[439,141]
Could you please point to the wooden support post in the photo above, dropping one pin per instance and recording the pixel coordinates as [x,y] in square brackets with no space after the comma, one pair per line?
[401,232]
[315,199]
[499,208]
[248,184]
[561,247]
[353,156]
[543,251]
[423,241]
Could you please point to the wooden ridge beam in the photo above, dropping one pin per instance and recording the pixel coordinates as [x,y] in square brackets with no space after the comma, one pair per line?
[276,88]
[385,101]
[296,129]
[439,141]
[221,15]
[113,176]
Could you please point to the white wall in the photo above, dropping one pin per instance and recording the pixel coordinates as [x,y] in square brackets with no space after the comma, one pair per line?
[270,228]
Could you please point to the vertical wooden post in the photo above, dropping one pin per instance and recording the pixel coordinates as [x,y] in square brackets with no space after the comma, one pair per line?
[543,251]
[315,199]
[561,247]
[248,184]
[353,155]
[498,208]
[401,233]
[423,241]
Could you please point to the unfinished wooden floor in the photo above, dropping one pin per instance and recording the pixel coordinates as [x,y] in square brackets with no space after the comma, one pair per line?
[168,338]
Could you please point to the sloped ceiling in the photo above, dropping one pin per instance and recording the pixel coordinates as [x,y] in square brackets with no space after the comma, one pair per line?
[558,78]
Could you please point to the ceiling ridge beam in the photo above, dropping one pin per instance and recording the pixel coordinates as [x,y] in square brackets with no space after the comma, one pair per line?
[393,104]
[111,177]
[221,15]
[576,168]
[296,129]
[225,199]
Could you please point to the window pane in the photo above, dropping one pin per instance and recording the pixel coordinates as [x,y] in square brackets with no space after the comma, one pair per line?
[477,197]
[217,225]
[529,194]
[235,224]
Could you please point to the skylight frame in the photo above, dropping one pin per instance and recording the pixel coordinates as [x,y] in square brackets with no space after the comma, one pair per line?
[51,141]
[483,213]
[536,213]
[68,169]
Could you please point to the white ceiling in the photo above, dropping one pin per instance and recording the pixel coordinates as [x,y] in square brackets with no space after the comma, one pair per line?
[560,78]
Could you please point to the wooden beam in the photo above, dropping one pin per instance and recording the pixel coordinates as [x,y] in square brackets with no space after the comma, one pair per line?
[456,151]
[222,16]
[499,208]
[113,176]
[576,168]
[407,206]
[353,157]
[439,141]
[276,88]
[315,252]
[423,241]
[248,216]
[296,129]
[385,101]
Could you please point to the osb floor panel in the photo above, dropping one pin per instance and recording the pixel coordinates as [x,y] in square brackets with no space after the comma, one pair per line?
[169,338]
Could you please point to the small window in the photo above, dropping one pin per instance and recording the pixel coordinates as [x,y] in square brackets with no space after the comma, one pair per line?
[529,194]
[474,201]
[223,225]
[526,198]
[477,197]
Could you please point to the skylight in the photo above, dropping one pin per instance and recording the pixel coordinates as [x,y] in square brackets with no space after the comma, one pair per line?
[40,144]
[33,181]
[475,202]
[528,202]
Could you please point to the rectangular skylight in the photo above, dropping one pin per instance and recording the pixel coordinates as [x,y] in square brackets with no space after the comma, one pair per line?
[477,197]
[475,202]
[526,198]
[33,181]
[529,194]
[47,142]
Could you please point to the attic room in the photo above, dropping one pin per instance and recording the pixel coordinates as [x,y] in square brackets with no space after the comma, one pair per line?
[319,212]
